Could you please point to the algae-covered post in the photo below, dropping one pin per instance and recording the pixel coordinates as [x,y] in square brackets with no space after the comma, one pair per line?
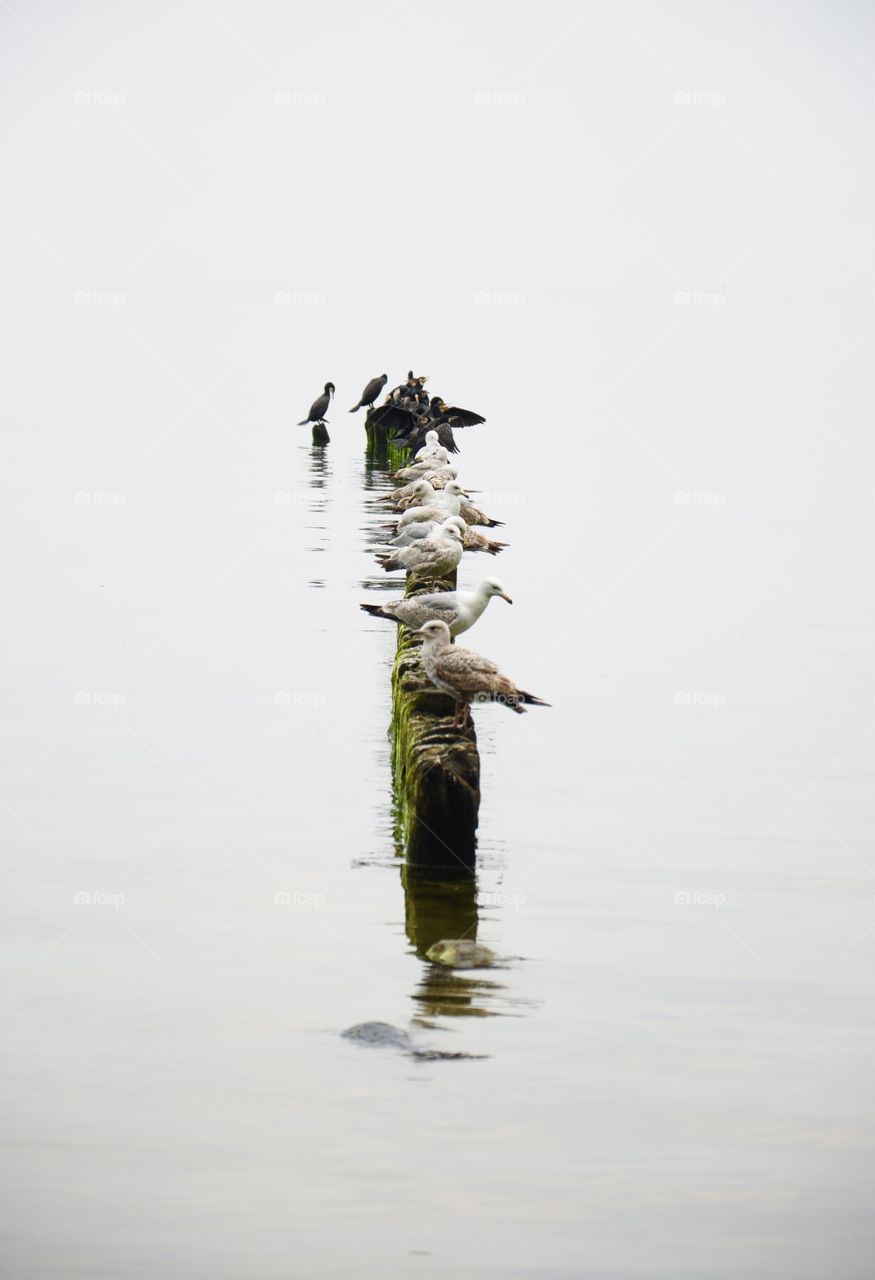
[436,768]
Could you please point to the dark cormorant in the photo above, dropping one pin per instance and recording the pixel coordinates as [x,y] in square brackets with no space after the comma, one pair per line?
[395,417]
[442,412]
[411,387]
[319,408]
[371,391]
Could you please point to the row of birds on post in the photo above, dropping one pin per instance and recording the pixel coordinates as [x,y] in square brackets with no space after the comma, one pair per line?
[436,523]
[406,414]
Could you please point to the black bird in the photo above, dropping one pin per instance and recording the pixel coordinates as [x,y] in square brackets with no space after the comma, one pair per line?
[409,428]
[442,412]
[319,408]
[411,387]
[416,438]
[395,417]
[371,391]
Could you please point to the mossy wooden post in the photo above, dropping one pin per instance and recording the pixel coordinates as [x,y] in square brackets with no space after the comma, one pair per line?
[436,767]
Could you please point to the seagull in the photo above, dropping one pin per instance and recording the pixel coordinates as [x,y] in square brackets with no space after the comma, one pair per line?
[432,448]
[426,471]
[458,609]
[371,391]
[444,504]
[319,407]
[473,515]
[436,556]
[472,539]
[437,479]
[418,493]
[466,676]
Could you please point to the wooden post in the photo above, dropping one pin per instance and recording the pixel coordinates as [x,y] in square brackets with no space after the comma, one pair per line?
[436,769]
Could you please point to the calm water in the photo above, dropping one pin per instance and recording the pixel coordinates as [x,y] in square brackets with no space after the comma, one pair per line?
[182,1099]
[664,308]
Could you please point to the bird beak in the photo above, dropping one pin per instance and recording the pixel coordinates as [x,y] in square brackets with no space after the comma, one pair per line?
[506,597]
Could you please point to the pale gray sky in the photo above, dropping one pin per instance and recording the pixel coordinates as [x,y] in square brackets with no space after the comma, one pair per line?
[638,237]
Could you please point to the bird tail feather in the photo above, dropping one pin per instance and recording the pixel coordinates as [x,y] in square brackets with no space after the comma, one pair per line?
[530,698]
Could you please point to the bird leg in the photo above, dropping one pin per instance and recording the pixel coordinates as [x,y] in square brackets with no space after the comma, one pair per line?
[460,719]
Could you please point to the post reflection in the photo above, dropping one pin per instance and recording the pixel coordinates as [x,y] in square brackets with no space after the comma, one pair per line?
[437,909]
[319,476]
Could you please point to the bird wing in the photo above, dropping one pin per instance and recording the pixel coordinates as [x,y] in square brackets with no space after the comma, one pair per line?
[463,417]
[392,416]
[441,604]
[420,609]
[465,670]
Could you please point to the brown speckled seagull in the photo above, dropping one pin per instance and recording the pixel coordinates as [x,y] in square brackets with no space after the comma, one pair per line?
[466,676]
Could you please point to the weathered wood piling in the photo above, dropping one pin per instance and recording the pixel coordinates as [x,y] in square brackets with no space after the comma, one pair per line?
[435,768]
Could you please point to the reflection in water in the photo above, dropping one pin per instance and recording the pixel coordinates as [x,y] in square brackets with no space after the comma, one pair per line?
[380,458]
[445,908]
[319,474]
[379,521]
